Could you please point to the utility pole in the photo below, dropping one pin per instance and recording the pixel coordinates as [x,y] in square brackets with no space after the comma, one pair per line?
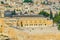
[51,14]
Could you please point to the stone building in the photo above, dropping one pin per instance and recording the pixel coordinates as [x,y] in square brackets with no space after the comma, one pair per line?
[28,22]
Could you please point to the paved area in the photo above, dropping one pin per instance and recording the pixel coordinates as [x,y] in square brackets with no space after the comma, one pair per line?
[37,33]
[38,30]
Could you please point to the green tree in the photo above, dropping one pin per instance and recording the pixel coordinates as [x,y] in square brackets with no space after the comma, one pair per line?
[57,18]
[45,14]
[14,12]
[58,27]
[51,15]
[27,1]
[43,2]
[2,2]
[59,13]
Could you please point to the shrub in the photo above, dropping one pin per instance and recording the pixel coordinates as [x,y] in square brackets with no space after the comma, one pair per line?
[27,1]
[44,13]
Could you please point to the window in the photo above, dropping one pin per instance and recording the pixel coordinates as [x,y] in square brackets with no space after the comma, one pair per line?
[26,24]
[21,24]
[39,24]
[45,24]
[35,24]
